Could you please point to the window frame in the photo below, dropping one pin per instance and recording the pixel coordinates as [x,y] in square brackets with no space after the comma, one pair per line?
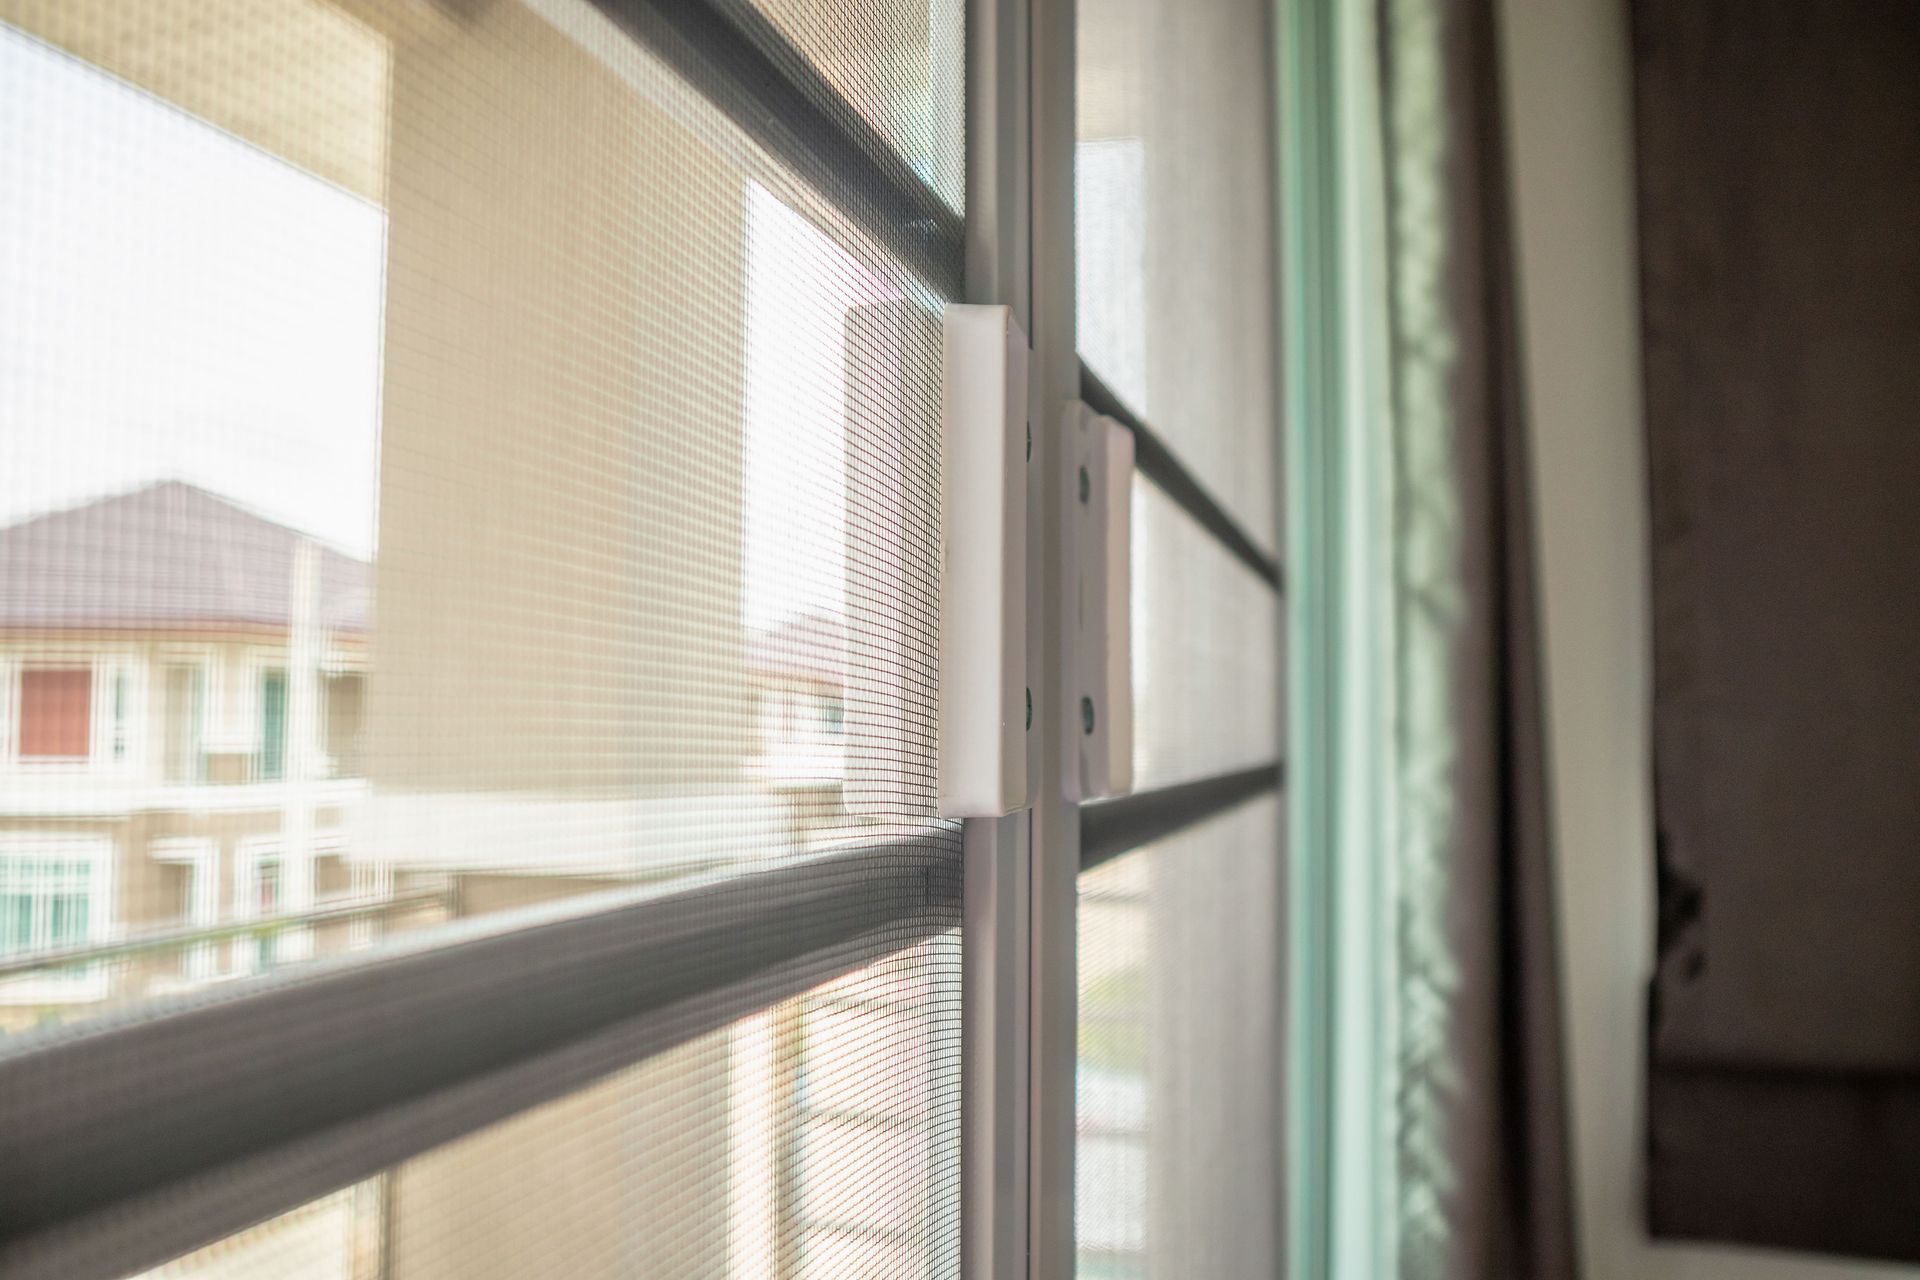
[200,664]
[107,661]
[1016,882]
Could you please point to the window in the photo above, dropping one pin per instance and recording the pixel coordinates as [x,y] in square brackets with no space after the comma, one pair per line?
[1178,1108]
[56,713]
[478,399]
[53,897]
[1180,1142]
[510,434]
[184,724]
[44,904]
[121,714]
[271,763]
[195,911]
[266,905]
[758,1149]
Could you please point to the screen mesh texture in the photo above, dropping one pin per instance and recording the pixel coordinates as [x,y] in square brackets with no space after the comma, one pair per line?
[817,1140]
[1207,656]
[1178,1157]
[449,467]
[1175,238]
[900,64]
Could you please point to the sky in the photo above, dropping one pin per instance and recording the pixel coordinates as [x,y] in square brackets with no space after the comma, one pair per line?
[177,304]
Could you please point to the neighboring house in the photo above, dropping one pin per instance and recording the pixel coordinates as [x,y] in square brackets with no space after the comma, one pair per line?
[796,678]
[182,694]
[796,674]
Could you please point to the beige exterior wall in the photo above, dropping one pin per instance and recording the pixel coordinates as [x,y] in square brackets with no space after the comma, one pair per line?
[552,620]
[303,79]
[559,572]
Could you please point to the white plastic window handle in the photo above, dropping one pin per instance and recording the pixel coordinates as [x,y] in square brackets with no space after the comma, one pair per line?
[985,700]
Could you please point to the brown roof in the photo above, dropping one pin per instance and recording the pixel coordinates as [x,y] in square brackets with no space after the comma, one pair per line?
[168,555]
[810,647]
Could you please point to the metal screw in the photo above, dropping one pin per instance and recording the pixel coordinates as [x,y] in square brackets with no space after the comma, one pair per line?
[1086,715]
[1029,442]
[1029,709]
[1086,486]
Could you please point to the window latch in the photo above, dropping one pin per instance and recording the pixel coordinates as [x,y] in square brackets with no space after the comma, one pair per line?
[986,700]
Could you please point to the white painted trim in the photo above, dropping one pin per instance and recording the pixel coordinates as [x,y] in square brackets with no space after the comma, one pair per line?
[77,793]
[102,659]
[555,834]
[9,709]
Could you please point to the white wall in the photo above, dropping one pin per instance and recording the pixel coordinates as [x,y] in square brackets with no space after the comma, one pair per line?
[1569,105]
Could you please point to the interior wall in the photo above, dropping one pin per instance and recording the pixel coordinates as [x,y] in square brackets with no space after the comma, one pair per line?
[1569,108]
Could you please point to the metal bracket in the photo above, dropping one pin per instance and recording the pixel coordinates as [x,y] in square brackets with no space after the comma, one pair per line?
[1097,732]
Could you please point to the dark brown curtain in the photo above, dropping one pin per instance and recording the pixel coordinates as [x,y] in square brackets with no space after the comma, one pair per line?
[1779,177]
[1481,1137]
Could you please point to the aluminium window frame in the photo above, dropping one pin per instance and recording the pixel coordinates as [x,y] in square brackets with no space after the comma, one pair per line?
[155,1150]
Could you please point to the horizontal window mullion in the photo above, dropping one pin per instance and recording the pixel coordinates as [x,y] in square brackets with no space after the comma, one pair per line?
[169,1117]
[741,62]
[1158,463]
[1113,827]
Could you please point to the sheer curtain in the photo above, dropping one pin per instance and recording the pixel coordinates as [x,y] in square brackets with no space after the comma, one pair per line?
[1447,1153]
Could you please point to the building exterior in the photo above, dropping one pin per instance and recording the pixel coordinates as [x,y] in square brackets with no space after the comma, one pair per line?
[182,704]
[796,677]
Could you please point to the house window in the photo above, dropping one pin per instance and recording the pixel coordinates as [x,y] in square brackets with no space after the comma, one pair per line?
[266,904]
[272,760]
[120,716]
[45,903]
[196,861]
[185,755]
[56,712]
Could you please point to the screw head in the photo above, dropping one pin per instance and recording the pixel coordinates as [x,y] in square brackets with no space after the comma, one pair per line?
[1086,486]
[1086,715]
[1029,709]
[1029,442]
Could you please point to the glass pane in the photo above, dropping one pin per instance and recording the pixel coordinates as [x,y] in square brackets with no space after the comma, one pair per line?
[1176,237]
[68,920]
[498,478]
[816,1141]
[902,65]
[181,715]
[56,712]
[119,715]
[1207,658]
[1178,1157]
[273,725]
[16,921]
